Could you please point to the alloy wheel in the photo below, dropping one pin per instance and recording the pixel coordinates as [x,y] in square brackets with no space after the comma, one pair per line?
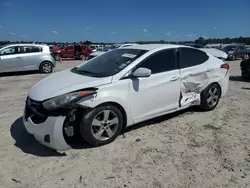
[213,96]
[104,125]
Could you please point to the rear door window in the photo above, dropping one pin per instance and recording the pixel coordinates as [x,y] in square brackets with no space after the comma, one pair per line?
[189,57]
[30,49]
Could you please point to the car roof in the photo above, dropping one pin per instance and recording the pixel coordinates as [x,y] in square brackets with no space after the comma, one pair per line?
[153,46]
[28,44]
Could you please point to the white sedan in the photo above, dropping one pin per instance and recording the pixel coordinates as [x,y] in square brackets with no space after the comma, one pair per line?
[121,88]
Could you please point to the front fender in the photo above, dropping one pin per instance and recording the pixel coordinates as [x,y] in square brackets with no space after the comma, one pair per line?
[96,101]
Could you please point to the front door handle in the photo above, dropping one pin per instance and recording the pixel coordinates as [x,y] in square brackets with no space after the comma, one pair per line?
[174,78]
[210,69]
[18,57]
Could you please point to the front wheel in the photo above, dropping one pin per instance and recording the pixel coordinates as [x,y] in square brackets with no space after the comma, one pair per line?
[246,57]
[210,97]
[57,57]
[83,57]
[101,125]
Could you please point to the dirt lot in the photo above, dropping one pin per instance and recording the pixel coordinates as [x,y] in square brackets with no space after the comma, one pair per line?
[187,149]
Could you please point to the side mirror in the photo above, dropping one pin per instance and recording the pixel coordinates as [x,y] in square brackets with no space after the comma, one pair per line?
[142,72]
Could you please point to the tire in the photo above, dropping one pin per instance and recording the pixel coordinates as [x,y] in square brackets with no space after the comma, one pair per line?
[245,57]
[57,57]
[83,57]
[46,67]
[95,122]
[233,58]
[210,97]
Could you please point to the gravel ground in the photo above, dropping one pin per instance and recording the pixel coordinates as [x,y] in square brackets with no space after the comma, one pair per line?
[185,149]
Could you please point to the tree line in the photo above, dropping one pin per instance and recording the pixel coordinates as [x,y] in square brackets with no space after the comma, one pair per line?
[200,40]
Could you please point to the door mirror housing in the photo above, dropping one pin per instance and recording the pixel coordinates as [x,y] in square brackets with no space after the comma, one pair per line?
[142,72]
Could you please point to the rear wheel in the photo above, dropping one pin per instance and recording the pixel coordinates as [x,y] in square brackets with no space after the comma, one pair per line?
[101,125]
[210,97]
[46,67]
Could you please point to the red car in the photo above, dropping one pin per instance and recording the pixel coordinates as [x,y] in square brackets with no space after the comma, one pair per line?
[75,51]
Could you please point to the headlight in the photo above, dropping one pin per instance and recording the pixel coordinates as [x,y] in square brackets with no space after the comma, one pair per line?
[230,52]
[65,99]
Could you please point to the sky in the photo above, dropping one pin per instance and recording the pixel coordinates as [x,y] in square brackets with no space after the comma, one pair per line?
[118,21]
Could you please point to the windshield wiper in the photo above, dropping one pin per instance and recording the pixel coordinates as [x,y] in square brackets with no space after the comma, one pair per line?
[95,74]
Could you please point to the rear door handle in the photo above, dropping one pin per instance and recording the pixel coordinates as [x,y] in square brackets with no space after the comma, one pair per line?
[18,57]
[174,78]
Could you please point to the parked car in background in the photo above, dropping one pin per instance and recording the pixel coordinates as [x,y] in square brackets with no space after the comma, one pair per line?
[109,48]
[213,51]
[25,57]
[76,51]
[218,46]
[120,88]
[195,45]
[236,51]
[245,69]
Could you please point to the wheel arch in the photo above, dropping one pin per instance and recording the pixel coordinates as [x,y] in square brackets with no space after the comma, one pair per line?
[46,61]
[120,107]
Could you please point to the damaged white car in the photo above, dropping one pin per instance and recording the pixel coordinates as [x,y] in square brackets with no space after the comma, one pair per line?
[121,88]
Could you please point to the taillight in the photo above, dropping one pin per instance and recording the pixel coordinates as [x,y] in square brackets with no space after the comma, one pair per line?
[225,66]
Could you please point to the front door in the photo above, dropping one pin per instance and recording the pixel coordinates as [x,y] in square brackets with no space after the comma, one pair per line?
[159,93]
[69,52]
[10,59]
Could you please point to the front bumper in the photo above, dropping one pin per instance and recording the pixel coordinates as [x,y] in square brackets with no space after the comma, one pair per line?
[48,133]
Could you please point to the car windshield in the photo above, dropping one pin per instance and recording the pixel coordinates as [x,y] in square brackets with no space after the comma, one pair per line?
[110,63]
[229,48]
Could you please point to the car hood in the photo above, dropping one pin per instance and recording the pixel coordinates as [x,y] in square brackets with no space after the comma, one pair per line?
[64,82]
[215,52]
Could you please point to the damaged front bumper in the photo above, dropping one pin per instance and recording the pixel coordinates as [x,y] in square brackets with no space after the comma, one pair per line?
[47,131]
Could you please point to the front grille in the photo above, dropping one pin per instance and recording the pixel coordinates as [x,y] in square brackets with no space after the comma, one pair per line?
[34,110]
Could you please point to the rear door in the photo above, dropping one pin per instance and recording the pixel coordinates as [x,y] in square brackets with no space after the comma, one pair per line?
[240,51]
[194,69]
[31,56]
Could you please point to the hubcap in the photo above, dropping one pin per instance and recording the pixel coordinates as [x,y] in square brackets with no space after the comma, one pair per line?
[213,96]
[47,67]
[104,125]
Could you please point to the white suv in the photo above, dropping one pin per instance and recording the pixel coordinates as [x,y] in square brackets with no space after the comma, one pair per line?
[25,57]
[121,88]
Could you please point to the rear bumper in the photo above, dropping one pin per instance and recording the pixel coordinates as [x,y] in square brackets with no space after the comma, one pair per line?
[48,133]
[224,84]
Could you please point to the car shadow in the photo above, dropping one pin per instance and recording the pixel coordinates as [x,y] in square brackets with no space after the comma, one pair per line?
[237,79]
[29,145]
[27,142]
[160,119]
[18,73]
